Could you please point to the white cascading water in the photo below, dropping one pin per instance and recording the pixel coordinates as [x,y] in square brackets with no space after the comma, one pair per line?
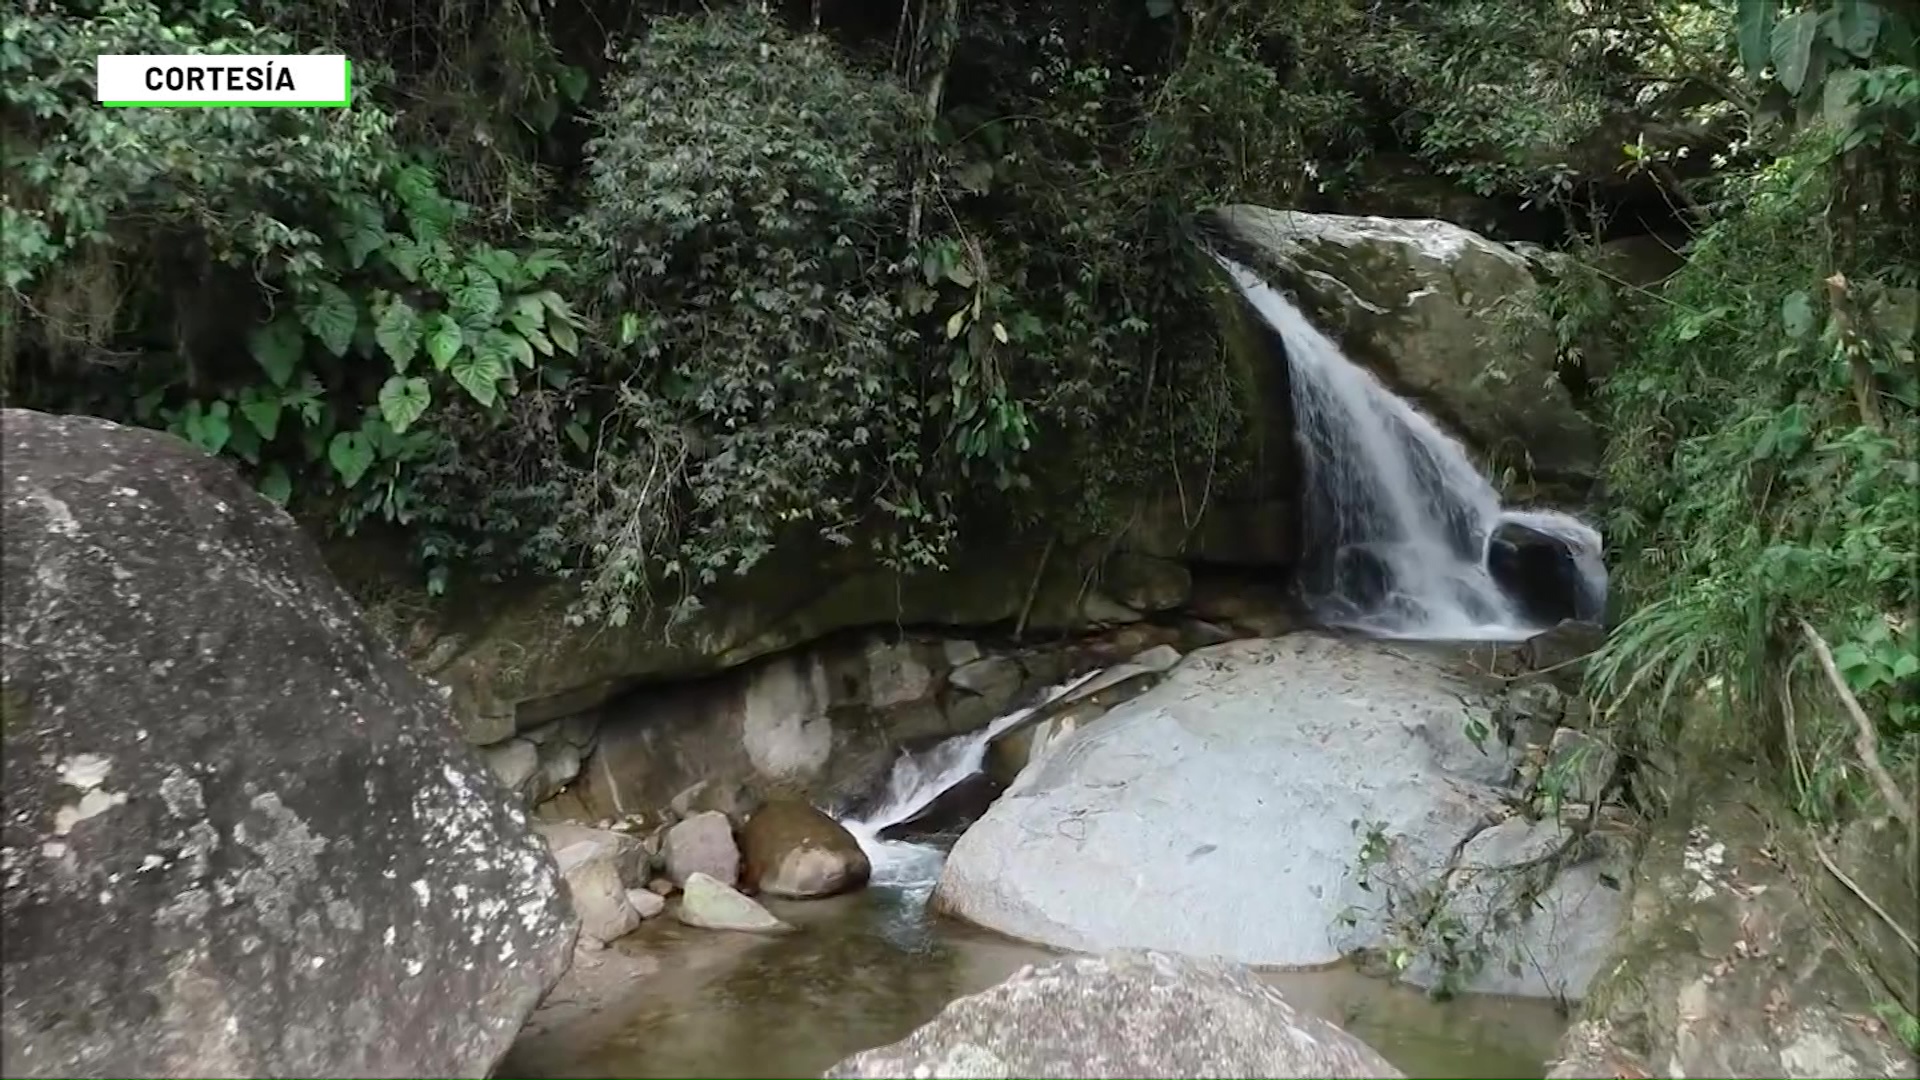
[918,779]
[1398,508]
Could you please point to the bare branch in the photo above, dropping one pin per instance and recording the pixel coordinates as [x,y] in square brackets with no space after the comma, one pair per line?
[1866,739]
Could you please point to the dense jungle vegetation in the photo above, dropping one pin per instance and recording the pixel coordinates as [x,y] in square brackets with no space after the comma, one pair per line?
[634,291]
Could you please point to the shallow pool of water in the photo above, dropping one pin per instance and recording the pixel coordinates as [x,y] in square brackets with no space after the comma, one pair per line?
[866,969]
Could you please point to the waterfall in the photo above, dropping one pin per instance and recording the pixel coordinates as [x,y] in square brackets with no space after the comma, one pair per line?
[918,779]
[1398,519]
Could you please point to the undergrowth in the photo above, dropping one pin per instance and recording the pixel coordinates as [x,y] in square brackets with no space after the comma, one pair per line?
[1763,481]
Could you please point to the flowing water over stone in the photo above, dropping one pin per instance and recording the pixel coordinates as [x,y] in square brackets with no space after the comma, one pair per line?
[1397,509]
[915,781]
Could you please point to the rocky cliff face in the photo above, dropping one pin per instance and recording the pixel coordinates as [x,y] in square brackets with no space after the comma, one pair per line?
[242,837]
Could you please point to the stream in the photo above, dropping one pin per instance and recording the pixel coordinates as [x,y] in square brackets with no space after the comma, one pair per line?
[867,968]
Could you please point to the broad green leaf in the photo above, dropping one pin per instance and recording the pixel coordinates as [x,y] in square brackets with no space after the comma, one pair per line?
[521,350]
[528,314]
[262,411]
[476,299]
[572,81]
[497,345]
[577,432]
[1796,315]
[1837,98]
[405,255]
[503,265]
[437,269]
[960,275]
[564,337]
[629,328]
[276,346]
[416,188]
[480,369]
[380,435]
[1792,49]
[351,455]
[541,262]
[999,333]
[444,338]
[244,442]
[1854,26]
[540,341]
[1754,28]
[362,229]
[208,427]
[1848,656]
[955,323]
[330,315]
[276,485]
[404,400]
[558,305]
[398,333]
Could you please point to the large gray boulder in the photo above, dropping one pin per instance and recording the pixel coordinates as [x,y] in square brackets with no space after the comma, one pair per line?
[1225,811]
[242,837]
[1443,315]
[1123,1015]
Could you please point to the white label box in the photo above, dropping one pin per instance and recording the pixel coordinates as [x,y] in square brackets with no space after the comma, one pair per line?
[224,81]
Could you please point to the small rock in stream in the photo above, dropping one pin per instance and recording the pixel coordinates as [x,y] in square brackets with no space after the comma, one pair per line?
[714,905]
[646,903]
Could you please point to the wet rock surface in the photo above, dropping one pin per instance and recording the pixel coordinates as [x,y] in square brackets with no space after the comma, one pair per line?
[1542,575]
[1123,1015]
[243,838]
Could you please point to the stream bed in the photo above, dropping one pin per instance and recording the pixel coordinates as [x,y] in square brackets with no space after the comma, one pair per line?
[865,969]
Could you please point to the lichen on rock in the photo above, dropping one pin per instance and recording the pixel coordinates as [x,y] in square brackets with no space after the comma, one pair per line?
[243,837]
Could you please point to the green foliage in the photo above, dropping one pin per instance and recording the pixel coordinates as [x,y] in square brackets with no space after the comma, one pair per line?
[743,208]
[1850,62]
[839,313]
[1763,471]
[1904,1025]
[819,297]
[286,287]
